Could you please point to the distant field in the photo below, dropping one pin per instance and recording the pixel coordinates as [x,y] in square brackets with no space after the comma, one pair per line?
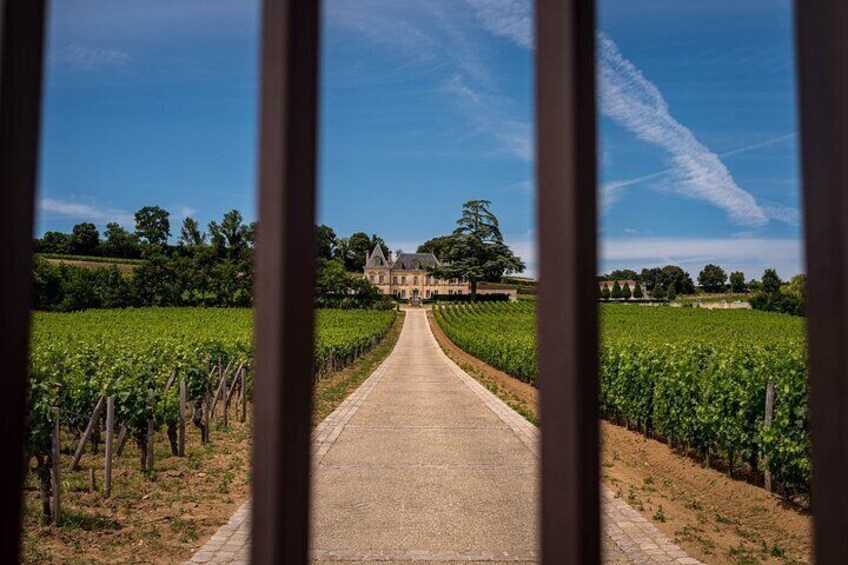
[90,258]
[123,265]
[697,377]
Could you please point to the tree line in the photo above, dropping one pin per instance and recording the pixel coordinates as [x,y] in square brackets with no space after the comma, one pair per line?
[204,267]
[770,293]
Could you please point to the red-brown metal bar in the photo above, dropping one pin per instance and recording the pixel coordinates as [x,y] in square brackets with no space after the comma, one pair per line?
[285,281]
[567,313]
[822,50]
[21,46]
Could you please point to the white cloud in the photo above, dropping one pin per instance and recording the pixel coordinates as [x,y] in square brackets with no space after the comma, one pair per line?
[635,103]
[512,19]
[787,214]
[487,113]
[83,211]
[82,58]
[750,255]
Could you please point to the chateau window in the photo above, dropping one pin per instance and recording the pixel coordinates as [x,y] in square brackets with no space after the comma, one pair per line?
[371,278]
[415,280]
[381,279]
[394,280]
[403,280]
[403,294]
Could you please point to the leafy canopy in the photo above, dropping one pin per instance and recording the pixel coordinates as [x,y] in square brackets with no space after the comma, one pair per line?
[476,250]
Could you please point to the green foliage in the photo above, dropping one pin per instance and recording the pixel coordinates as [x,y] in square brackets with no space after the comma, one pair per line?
[337,288]
[53,242]
[616,293]
[712,278]
[438,246]
[637,292]
[352,250]
[623,275]
[77,357]
[737,282]
[152,225]
[190,234]
[774,296]
[672,292]
[625,292]
[476,251]
[771,281]
[695,376]
[605,292]
[84,239]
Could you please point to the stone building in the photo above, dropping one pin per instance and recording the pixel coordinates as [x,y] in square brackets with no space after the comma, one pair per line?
[407,276]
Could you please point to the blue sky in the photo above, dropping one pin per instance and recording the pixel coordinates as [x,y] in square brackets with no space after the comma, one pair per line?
[428,103]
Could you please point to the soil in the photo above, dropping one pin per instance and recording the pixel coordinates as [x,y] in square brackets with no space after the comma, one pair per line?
[158,519]
[714,518]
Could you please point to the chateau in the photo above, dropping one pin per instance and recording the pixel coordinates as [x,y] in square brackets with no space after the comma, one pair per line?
[407,276]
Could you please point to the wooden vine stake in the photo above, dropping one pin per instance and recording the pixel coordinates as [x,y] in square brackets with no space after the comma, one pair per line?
[243,395]
[182,430]
[57,484]
[225,397]
[149,464]
[93,421]
[110,431]
[770,392]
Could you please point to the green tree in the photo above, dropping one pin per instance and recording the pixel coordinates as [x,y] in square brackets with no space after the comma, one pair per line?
[217,240]
[54,242]
[712,278]
[672,274]
[658,292]
[234,231]
[771,282]
[672,292]
[190,234]
[84,239]
[477,251]
[325,239]
[737,281]
[637,292]
[119,242]
[605,292]
[625,292]
[353,250]
[624,275]
[152,225]
[616,293]
[438,246]
[796,287]
[651,277]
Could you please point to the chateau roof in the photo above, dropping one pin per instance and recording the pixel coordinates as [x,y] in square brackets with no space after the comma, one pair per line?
[406,261]
[376,254]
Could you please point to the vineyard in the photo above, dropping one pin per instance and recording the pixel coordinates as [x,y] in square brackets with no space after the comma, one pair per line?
[698,379]
[136,372]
